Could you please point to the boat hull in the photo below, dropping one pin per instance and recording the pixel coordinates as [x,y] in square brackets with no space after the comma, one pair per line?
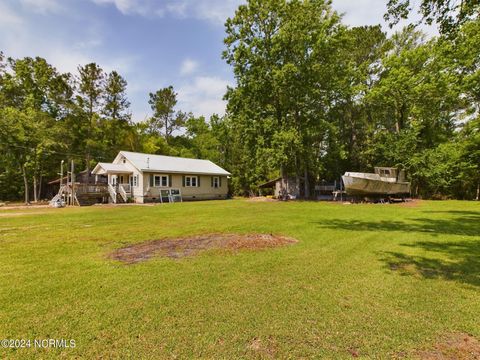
[364,186]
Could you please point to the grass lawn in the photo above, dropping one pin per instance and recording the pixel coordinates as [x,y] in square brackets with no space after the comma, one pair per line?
[377,281]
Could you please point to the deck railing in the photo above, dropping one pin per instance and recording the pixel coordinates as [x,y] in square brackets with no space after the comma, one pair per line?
[127,188]
[90,188]
[122,192]
[113,193]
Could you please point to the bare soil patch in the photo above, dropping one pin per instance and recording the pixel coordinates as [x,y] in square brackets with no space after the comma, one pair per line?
[189,246]
[261,199]
[411,203]
[265,349]
[23,207]
[456,346]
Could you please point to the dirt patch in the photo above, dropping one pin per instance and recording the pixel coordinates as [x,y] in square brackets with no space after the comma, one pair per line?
[411,203]
[263,348]
[188,246]
[261,199]
[23,207]
[457,346]
[10,214]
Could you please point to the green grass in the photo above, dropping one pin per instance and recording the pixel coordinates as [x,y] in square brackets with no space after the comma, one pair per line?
[376,279]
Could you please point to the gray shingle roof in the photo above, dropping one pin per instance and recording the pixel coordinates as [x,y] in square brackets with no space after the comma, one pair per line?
[109,167]
[172,164]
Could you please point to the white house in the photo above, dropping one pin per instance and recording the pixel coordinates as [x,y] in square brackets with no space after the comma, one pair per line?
[151,178]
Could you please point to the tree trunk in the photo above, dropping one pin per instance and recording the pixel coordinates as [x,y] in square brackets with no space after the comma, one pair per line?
[88,168]
[40,186]
[25,184]
[306,184]
[478,191]
[281,194]
[35,195]
[167,135]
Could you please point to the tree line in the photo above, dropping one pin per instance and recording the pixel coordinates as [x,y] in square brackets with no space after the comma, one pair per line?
[315,98]
[47,116]
[312,98]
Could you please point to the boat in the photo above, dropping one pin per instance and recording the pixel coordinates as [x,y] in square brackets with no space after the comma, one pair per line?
[385,181]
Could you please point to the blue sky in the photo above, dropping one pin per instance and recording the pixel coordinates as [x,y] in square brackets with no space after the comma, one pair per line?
[152,43]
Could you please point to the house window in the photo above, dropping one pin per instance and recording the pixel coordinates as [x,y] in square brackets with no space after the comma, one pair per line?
[191,181]
[216,182]
[160,180]
[134,180]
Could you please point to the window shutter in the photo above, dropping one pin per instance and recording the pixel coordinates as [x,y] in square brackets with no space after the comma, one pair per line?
[169,180]
[219,181]
[183,180]
[211,182]
[198,181]
[151,180]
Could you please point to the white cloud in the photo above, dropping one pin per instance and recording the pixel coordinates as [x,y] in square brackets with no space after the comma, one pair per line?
[20,39]
[177,8]
[188,67]
[361,12]
[371,12]
[215,11]
[356,13]
[42,6]
[203,96]
[8,17]
[128,7]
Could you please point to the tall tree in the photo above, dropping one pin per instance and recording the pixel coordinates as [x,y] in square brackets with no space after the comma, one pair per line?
[286,57]
[115,102]
[90,96]
[116,113]
[165,119]
[31,91]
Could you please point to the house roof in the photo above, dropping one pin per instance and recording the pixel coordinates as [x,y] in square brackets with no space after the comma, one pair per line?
[270,183]
[105,168]
[172,164]
[57,181]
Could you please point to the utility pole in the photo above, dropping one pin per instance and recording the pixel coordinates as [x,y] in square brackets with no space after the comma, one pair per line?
[61,173]
[72,181]
[61,181]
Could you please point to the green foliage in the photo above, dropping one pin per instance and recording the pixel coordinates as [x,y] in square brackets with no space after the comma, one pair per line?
[33,94]
[448,14]
[46,117]
[314,99]
[165,119]
[287,63]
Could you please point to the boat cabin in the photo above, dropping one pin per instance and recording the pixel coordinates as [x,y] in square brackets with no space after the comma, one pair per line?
[389,172]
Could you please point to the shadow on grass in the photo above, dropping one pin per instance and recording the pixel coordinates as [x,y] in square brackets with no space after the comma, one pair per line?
[467,224]
[454,212]
[458,261]
[451,260]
